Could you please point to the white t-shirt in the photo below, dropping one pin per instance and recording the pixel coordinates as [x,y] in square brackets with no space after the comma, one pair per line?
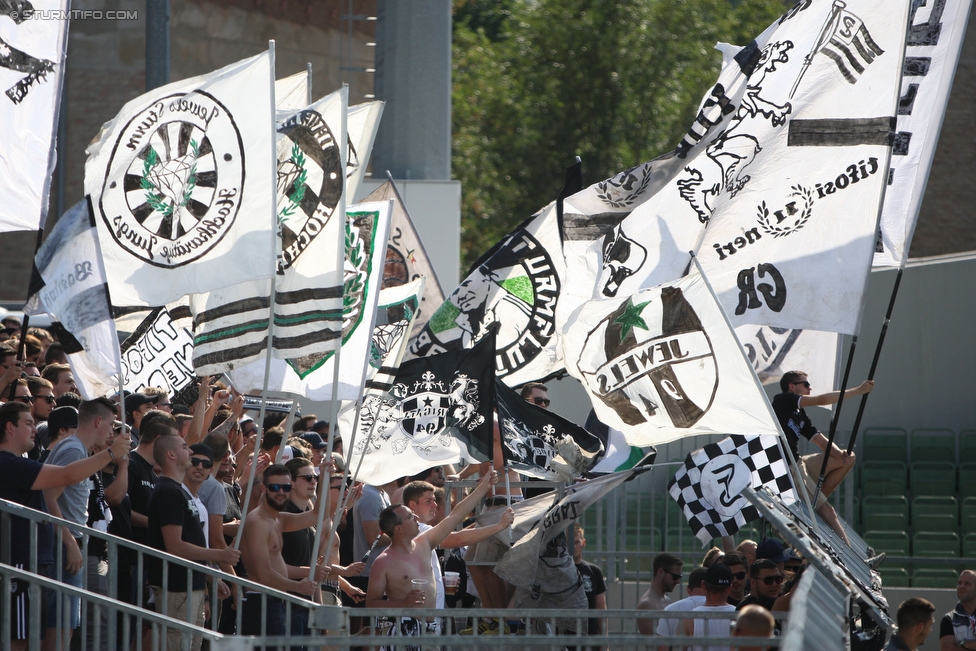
[669,627]
[713,627]
[201,513]
[436,567]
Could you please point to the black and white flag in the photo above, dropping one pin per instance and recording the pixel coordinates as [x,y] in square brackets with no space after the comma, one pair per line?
[68,283]
[540,443]
[439,410]
[33,40]
[708,487]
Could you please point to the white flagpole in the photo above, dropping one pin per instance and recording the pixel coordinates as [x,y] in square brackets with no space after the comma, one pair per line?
[798,486]
[341,244]
[271,309]
[288,422]
[308,83]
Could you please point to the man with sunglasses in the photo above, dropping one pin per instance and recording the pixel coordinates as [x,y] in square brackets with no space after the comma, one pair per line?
[793,418]
[261,546]
[767,581]
[736,563]
[536,393]
[667,576]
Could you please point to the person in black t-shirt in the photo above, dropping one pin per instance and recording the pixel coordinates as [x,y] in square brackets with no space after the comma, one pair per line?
[795,423]
[23,481]
[594,584]
[175,528]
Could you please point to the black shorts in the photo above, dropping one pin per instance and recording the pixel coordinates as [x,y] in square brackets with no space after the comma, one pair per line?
[20,603]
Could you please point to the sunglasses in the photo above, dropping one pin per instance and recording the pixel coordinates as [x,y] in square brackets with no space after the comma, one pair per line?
[275,488]
[206,463]
[676,577]
[309,478]
[804,383]
[770,580]
[542,402]
[24,399]
[739,576]
[48,399]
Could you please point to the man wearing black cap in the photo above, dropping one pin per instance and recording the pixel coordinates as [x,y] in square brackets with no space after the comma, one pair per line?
[136,406]
[718,585]
[317,444]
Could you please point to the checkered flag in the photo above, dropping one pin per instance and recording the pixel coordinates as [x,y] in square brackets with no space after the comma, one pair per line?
[708,488]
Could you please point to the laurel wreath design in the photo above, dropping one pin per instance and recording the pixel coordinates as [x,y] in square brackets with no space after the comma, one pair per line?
[604,188]
[298,187]
[355,281]
[154,198]
[775,230]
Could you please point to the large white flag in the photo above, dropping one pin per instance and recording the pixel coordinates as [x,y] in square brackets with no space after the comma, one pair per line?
[291,93]
[362,122]
[182,186]
[774,351]
[935,36]
[792,187]
[231,324]
[312,375]
[33,38]
[71,288]
[406,257]
[662,363]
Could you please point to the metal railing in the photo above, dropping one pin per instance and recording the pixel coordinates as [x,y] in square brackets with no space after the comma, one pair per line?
[109,616]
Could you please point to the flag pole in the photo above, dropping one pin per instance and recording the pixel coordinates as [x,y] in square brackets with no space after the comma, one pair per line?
[833,421]
[784,449]
[827,29]
[343,145]
[271,309]
[288,422]
[308,83]
[877,356]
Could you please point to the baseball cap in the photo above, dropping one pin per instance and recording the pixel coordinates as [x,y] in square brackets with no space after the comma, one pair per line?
[771,549]
[135,400]
[202,448]
[314,440]
[718,574]
[319,424]
[288,454]
[62,418]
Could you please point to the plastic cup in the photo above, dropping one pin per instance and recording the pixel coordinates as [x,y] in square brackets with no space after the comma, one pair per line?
[420,584]
[452,581]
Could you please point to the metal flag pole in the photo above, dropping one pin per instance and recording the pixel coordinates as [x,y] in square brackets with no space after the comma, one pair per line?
[308,83]
[877,355]
[342,143]
[785,449]
[833,421]
[288,422]
[271,309]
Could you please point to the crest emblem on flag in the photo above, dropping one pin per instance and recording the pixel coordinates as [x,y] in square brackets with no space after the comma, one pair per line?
[656,354]
[309,182]
[708,488]
[181,192]
[420,414]
[517,287]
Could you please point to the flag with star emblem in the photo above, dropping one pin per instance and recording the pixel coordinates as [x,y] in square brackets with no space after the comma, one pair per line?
[708,488]
[540,443]
[438,410]
[663,363]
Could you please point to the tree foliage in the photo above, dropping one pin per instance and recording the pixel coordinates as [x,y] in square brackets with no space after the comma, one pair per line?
[538,82]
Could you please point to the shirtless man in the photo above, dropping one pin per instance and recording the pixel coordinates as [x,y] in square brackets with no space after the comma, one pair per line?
[261,552]
[408,558]
[667,576]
